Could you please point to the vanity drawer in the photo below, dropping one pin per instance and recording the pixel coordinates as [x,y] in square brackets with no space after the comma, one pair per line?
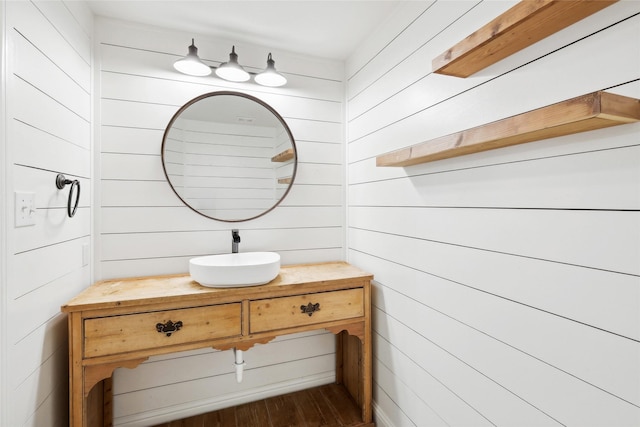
[133,332]
[287,312]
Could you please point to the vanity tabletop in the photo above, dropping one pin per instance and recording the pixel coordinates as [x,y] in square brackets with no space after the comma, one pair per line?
[181,288]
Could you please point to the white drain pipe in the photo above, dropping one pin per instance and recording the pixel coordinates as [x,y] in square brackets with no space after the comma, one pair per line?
[239,364]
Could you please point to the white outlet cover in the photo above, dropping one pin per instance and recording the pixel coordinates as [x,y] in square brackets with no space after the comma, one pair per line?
[25,209]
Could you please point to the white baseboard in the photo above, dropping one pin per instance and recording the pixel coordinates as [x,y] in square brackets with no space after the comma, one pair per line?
[203,406]
[379,417]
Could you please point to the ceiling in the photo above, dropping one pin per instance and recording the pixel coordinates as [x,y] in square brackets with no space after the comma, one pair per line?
[323,28]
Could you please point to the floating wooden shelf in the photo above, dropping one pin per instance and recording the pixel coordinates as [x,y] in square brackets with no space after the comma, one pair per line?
[588,112]
[521,26]
[286,180]
[284,156]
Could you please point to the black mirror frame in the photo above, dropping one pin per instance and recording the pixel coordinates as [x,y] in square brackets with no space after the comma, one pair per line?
[251,98]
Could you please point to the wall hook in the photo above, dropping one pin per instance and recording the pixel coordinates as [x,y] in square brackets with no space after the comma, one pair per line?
[61,182]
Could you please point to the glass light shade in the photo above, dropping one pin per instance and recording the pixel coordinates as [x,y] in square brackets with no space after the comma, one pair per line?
[270,77]
[191,64]
[231,70]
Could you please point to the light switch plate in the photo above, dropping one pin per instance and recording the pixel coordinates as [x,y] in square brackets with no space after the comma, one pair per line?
[25,212]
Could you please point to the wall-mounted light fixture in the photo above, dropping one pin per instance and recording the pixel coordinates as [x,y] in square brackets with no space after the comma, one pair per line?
[231,70]
[270,77]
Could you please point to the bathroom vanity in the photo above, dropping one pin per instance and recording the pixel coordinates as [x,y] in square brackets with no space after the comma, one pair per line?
[121,323]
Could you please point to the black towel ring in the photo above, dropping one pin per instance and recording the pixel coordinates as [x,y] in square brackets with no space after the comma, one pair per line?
[61,181]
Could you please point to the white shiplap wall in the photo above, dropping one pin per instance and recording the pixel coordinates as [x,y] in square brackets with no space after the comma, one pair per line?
[48,131]
[145,230]
[4,387]
[507,282]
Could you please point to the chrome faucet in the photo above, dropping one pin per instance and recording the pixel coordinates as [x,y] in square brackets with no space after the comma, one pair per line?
[235,235]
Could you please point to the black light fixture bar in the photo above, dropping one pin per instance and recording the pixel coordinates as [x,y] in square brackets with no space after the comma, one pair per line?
[231,70]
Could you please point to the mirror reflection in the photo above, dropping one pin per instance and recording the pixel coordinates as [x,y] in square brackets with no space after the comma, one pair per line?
[229,156]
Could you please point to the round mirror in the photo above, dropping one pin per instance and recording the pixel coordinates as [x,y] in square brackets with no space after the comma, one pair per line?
[229,156]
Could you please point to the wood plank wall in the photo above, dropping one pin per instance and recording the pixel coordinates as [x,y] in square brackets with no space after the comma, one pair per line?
[48,131]
[145,230]
[507,282]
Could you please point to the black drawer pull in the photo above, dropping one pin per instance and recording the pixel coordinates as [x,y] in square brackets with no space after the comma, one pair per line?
[310,308]
[169,327]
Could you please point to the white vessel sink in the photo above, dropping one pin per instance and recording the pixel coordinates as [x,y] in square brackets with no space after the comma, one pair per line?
[235,270]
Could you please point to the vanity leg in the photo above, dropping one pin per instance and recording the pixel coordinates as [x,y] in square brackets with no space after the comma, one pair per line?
[107,402]
[99,405]
[94,406]
[367,360]
[76,372]
[352,377]
[339,358]
[353,370]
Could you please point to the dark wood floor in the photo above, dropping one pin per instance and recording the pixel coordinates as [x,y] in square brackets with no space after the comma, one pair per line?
[324,406]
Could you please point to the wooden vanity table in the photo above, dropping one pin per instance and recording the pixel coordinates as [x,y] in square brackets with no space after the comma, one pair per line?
[121,323]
